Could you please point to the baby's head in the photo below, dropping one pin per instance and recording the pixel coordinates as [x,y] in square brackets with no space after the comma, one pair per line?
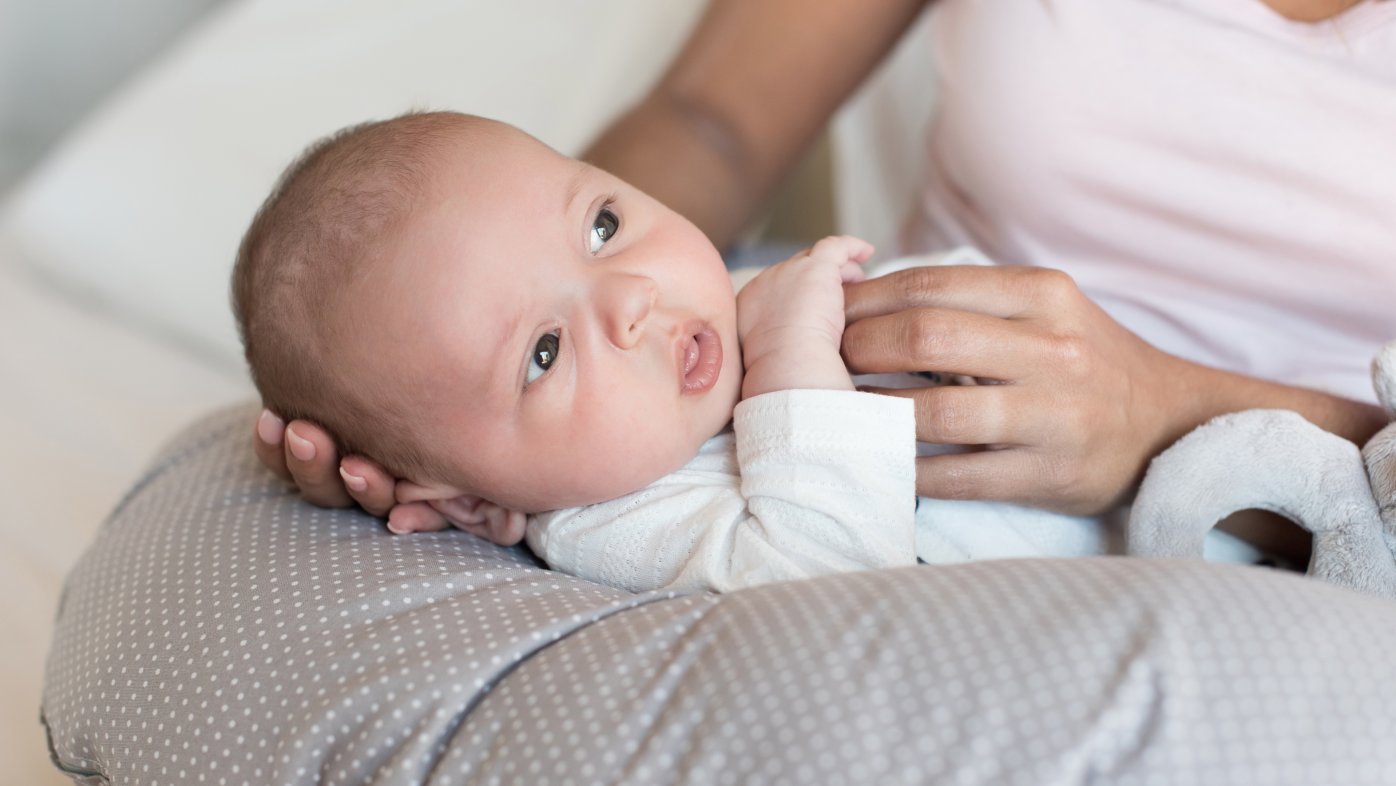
[483,316]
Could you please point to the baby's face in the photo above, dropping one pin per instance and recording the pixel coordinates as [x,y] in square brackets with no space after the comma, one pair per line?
[569,338]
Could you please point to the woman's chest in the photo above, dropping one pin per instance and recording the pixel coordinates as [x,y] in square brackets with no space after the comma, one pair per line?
[1186,146]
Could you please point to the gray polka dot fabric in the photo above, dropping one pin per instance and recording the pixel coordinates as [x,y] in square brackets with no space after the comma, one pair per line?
[220,631]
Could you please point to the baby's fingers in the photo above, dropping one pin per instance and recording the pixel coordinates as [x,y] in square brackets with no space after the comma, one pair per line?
[843,248]
[852,271]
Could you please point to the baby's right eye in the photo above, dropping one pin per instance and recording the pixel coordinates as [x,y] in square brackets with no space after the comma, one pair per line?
[544,355]
[603,228]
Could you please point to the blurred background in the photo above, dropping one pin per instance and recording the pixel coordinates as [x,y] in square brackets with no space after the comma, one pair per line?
[59,58]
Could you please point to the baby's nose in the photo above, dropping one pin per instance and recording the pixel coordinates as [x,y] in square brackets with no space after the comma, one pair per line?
[627,302]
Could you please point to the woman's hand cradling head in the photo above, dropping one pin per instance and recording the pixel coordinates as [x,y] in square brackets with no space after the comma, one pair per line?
[305,455]
[1084,404]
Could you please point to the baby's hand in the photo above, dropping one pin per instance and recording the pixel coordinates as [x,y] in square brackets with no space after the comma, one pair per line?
[790,318]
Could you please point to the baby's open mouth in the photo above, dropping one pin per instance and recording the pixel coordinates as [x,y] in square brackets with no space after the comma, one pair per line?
[701,360]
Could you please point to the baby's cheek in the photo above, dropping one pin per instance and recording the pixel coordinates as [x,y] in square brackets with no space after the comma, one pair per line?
[630,455]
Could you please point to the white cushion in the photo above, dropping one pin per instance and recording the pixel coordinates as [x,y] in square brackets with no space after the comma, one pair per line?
[143,207]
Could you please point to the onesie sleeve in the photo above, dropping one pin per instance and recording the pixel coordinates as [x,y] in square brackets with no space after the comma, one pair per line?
[827,484]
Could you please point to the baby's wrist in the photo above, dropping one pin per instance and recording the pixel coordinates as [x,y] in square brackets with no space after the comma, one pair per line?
[790,341]
[797,366]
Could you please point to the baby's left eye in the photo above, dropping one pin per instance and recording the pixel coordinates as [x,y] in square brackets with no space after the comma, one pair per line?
[603,228]
[544,355]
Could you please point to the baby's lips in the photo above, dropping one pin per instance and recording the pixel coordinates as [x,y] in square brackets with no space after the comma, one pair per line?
[700,374]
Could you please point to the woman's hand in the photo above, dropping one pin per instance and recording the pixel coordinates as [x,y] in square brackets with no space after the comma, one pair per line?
[304,454]
[1083,406]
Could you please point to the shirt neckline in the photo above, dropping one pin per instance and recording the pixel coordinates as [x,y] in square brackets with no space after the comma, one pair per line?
[1337,31]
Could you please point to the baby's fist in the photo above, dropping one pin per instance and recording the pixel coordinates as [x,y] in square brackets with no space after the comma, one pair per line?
[845,251]
[802,296]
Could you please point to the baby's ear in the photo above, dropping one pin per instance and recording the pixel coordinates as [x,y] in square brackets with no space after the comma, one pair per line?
[481,517]
[474,514]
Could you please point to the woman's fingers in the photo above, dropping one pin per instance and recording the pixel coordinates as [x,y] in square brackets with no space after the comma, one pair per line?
[1016,474]
[1014,466]
[369,485]
[416,517]
[267,438]
[305,455]
[1085,405]
[313,462]
[967,415]
[1009,291]
[940,339]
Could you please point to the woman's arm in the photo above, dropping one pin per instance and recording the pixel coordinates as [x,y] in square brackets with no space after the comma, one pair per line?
[1085,404]
[747,94]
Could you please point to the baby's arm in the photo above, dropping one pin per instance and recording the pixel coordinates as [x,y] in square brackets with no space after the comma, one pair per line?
[826,485]
[790,319]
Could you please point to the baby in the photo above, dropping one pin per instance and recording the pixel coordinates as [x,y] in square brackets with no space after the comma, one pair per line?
[545,352]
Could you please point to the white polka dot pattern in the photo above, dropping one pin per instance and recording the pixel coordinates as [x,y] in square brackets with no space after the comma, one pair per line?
[220,631]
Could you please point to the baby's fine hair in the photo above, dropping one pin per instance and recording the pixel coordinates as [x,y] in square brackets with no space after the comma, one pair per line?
[326,219]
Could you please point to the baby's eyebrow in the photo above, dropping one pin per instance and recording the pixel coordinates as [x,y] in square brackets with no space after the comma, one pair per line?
[575,186]
[503,348]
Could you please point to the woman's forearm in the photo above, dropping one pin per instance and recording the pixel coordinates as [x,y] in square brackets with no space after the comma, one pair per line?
[1205,393]
[751,90]
[690,161]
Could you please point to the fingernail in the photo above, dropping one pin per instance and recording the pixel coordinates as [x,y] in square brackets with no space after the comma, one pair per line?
[269,428]
[301,447]
[353,481]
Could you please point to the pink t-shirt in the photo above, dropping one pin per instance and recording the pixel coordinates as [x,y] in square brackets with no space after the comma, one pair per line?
[1220,179]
